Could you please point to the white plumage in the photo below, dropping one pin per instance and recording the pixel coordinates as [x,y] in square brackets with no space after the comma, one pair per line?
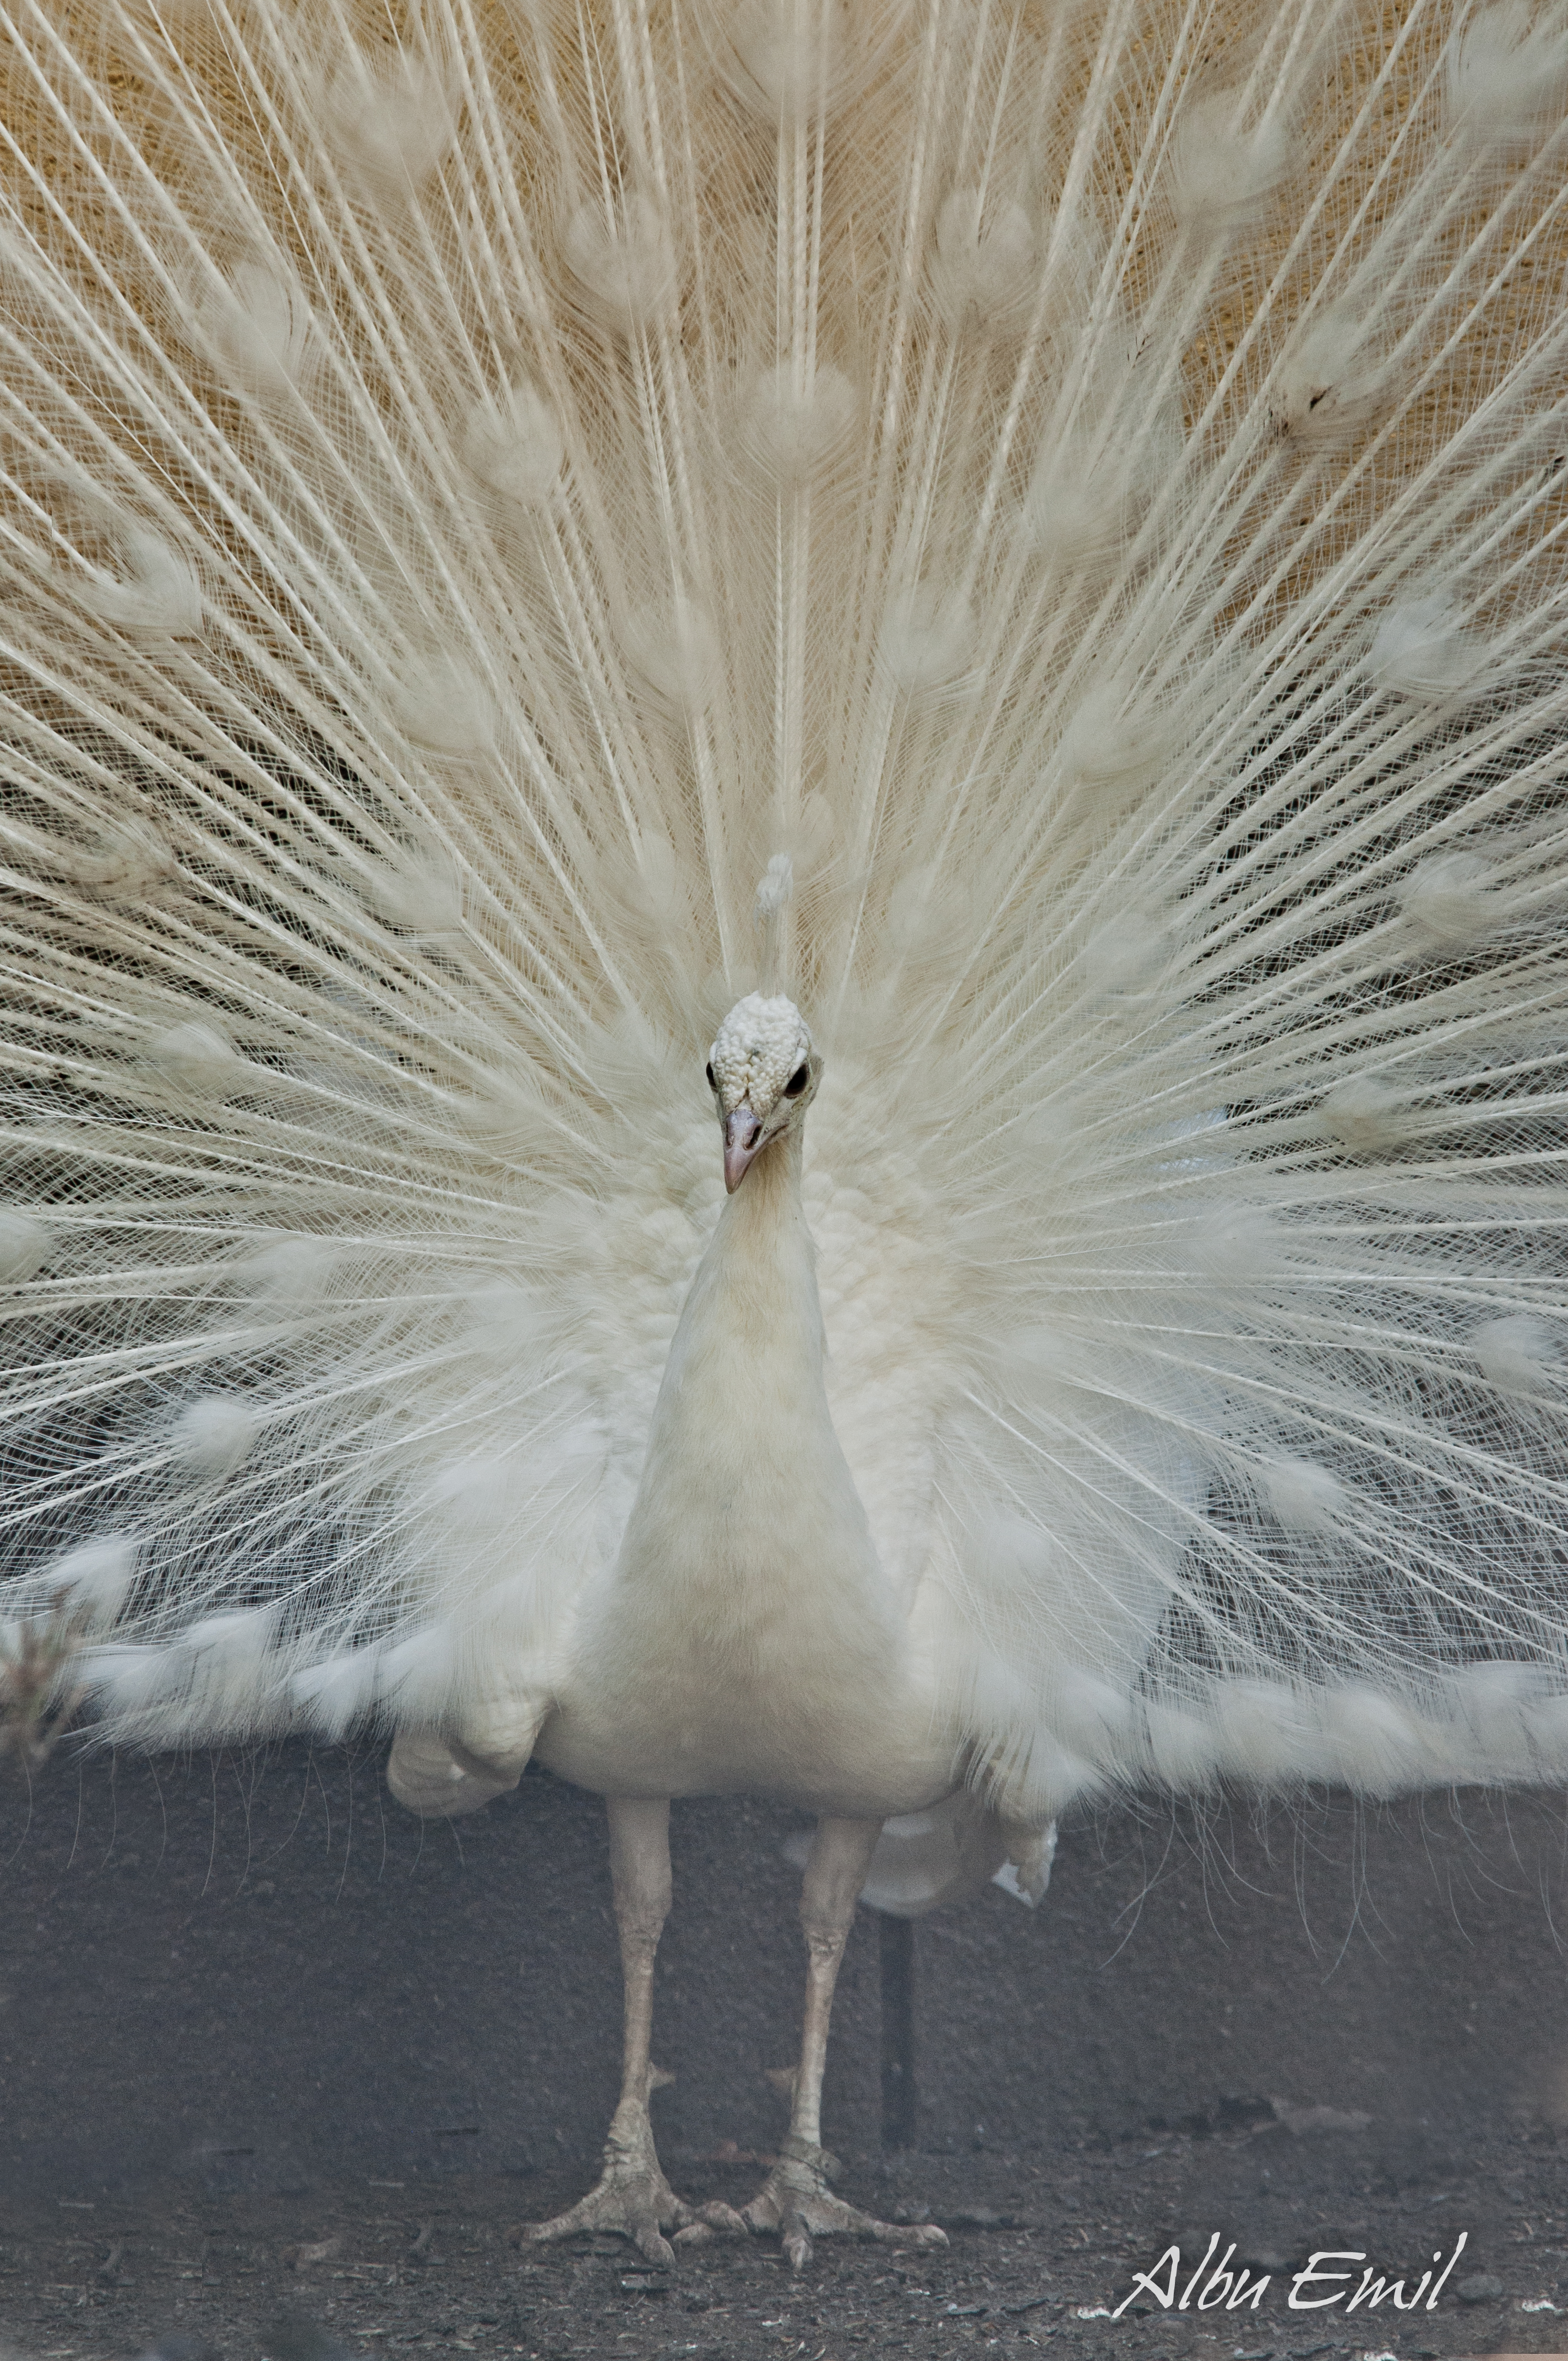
[1037,533]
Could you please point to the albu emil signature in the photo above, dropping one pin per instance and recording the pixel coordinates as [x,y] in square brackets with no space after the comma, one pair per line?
[1323,2280]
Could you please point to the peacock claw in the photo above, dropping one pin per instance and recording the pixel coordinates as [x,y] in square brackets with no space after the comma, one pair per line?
[795,2203]
[633,2200]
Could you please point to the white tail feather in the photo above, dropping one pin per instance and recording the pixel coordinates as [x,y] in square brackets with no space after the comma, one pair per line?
[1075,507]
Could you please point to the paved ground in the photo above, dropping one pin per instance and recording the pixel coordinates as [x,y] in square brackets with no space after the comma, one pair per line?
[251,2010]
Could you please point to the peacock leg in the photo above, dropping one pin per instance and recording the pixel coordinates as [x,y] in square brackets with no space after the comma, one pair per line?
[632,2196]
[795,2199]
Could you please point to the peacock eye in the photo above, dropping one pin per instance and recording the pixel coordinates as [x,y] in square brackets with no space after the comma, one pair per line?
[712,1077]
[797,1081]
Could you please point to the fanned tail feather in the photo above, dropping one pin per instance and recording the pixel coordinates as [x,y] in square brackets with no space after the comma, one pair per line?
[1074,498]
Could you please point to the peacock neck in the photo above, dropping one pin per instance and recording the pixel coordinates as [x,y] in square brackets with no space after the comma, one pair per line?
[763,1259]
[742,1436]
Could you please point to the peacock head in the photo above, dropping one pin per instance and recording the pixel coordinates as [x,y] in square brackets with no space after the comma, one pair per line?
[764,1074]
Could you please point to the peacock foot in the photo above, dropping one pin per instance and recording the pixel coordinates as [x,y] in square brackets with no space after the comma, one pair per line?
[633,2200]
[796,2202]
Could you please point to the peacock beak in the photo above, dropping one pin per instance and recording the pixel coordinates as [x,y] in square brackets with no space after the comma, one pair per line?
[742,1137]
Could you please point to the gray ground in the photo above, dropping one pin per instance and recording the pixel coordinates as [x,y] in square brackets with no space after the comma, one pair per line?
[282,2072]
